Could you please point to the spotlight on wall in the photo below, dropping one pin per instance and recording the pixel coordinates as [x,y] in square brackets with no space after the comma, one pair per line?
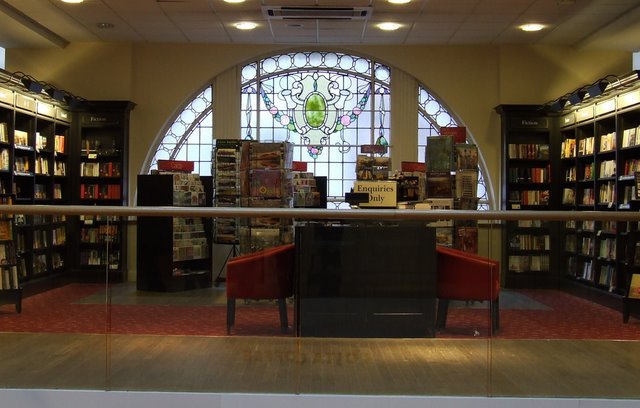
[558,104]
[56,94]
[597,88]
[32,85]
[577,97]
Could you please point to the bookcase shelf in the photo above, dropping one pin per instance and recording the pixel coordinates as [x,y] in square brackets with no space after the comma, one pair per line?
[173,253]
[11,267]
[34,132]
[528,149]
[594,154]
[99,166]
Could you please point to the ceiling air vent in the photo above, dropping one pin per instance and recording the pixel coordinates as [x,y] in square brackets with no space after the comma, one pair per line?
[315,13]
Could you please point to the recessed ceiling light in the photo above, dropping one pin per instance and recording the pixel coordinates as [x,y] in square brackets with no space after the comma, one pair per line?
[72,1]
[388,26]
[531,27]
[104,26]
[399,1]
[234,1]
[245,25]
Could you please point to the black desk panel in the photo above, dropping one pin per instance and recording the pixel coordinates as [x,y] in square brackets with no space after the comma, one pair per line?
[365,280]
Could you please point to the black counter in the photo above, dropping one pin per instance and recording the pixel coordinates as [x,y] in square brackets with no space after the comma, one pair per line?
[365,280]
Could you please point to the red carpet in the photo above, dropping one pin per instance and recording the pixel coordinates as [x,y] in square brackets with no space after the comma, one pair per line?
[568,317]
[54,311]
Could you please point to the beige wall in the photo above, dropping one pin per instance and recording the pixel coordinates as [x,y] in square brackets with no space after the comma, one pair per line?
[469,81]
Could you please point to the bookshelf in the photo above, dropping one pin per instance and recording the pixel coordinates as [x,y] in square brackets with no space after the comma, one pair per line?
[12,270]
[174,253]
[605,163]
[270,185]
[451,183]
[100,153]
[34,133]
[527,184]
[252,174]
[226,171]
[594,154]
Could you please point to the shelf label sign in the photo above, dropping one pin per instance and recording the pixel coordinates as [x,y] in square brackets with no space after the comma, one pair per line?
[6,96]
[381,193]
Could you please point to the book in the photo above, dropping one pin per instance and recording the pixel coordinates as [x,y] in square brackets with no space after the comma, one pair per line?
[439,185]
[568,196]
[466,156]
[459,133]
[439,153]
[4,132]
[467,183]
[466,239]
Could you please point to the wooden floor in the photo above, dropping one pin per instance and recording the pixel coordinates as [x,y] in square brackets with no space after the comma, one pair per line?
[436,367]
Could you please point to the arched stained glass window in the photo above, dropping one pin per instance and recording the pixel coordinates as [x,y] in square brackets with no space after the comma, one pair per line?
[326,104]
[190,136]
[431,117]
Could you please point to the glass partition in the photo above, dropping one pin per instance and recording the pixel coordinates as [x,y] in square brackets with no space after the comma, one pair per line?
[377,304]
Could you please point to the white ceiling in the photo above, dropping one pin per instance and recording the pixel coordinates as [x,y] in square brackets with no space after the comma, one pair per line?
[587,24]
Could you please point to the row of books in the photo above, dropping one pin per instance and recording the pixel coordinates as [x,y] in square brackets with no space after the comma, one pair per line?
[631,166]
[607,193]
[607,248]
[631,137]
[527,263]
[40,192]
[607,276]
[39,264]
[42,165]
[586,246]
[60,168]
[4,132]
[588,197]
[529,174]
[586,146]
[59,235]
[108,169]
[21,138]
[9,277]
[608,168]
[96,257]
[530,197]
[5,161]
[100,191]
[585,270]
[21,164]
[568,149]
[7,253]
[100,234]
[525,242]
[588,172]
[570,174]
[608,142]
[532,151]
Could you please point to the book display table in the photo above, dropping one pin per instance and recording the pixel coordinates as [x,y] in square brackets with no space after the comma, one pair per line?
[365,280]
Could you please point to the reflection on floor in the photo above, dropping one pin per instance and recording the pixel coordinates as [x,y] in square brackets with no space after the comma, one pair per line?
[541,350]
[445,367]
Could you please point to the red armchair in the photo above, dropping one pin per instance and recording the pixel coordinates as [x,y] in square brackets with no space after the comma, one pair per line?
[468,277]
[266,274]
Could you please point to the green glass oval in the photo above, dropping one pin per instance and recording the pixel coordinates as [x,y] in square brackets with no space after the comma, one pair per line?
[314,110]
